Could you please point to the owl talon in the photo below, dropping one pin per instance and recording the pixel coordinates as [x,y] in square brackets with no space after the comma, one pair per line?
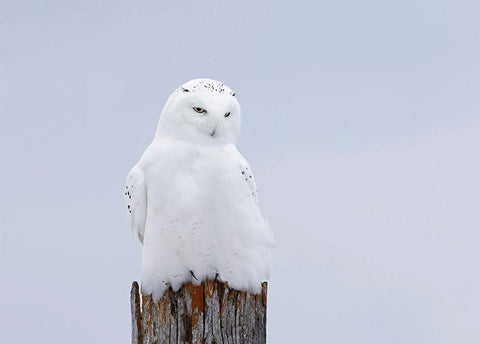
[193,275]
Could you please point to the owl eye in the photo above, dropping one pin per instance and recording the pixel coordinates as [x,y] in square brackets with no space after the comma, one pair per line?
[227,114]
[199,110]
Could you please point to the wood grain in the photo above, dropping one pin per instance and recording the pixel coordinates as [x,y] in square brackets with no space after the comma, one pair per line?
[210,313]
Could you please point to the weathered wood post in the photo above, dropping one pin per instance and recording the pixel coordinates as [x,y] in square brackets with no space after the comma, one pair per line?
[210,313]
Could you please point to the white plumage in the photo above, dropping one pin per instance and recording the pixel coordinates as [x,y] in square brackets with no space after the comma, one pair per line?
[192,198]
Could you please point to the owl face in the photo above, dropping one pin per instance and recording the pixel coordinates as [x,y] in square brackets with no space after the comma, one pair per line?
[202,110]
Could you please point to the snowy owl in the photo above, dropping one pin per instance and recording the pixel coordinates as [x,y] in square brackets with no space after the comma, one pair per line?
[192,198]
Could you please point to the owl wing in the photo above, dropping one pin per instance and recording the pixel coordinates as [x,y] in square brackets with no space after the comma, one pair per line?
[136,201]
[247,175]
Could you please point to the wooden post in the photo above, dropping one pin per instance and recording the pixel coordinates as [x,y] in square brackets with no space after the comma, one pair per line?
[210,313]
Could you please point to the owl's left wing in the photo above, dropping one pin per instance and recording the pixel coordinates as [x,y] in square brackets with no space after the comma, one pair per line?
[247,175]
[136,201]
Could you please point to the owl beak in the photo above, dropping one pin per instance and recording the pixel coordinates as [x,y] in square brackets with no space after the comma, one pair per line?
[214,131]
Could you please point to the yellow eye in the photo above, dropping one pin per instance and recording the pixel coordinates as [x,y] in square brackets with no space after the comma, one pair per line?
[199,110]
[227,114]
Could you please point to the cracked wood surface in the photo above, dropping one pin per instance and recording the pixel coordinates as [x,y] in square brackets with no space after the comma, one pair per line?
[210,313]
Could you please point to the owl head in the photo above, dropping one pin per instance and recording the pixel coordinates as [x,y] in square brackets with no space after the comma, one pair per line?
[203,111]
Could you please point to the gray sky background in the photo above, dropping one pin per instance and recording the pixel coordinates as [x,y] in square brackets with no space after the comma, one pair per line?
[361,122]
